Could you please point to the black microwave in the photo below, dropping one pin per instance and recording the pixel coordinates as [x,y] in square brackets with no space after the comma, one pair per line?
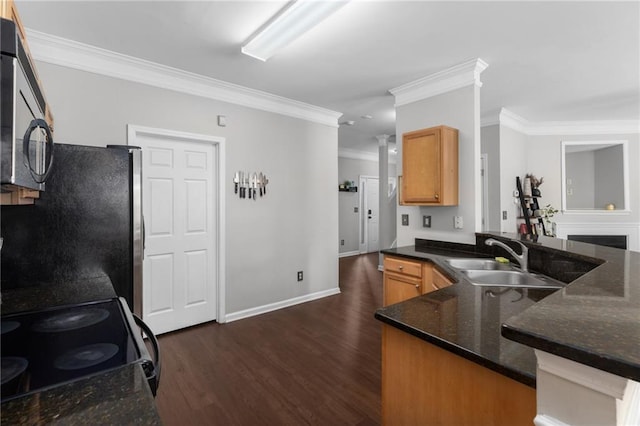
[26,154]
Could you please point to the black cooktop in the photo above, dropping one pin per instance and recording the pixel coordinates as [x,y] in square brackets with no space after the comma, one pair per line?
[50,347]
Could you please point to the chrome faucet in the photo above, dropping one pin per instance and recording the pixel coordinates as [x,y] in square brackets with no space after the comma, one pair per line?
[522,259]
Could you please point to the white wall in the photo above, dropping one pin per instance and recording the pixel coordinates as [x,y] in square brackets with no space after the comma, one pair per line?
[458,109]
[295,227]
[513,162]
[543,153]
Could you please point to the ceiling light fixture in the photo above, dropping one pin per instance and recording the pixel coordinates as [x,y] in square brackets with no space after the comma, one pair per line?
[290,23]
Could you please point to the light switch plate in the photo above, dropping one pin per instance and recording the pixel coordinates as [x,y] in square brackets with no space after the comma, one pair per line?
[426,221]
[405,220]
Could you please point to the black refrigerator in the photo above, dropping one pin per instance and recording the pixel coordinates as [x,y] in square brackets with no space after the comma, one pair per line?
[86,225]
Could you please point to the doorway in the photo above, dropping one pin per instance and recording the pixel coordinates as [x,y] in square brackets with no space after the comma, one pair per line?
[182,193]
[369,214]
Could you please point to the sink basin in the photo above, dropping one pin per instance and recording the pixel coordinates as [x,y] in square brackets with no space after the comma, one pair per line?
[478,264]
[499,278]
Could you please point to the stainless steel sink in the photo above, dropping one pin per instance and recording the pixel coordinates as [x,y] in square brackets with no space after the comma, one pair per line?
[478,264]
[498,278]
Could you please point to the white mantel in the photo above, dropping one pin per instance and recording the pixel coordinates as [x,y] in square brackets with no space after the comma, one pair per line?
[570,393]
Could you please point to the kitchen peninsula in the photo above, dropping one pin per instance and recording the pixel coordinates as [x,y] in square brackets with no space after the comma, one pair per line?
[576,346]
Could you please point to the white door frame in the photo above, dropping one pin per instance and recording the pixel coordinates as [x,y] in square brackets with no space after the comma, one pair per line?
[133,131]
[363,232]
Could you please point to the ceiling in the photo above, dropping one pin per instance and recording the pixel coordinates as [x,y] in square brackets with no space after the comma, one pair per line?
[548,61]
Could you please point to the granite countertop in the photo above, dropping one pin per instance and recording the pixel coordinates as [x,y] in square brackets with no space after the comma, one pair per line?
[118,396]
[593,320]
[41,295]
[466,319]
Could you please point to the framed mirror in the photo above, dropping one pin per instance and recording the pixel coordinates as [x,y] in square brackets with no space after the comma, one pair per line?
[595,177]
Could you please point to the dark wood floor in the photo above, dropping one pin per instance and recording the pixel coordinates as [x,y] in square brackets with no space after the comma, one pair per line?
[317,363]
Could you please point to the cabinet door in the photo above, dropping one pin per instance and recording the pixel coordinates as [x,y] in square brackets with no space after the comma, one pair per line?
[400,287]
[439,280]
[421,172]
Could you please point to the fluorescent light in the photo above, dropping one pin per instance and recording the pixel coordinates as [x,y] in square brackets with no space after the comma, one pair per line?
[290,23]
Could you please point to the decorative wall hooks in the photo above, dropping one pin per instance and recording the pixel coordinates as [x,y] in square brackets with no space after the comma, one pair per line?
[250,185]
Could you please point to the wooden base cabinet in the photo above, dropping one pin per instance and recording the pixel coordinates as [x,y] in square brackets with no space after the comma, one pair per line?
[423,384]
[406,278]
[430,167]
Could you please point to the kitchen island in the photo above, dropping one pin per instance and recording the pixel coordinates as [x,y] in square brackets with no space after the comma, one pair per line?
[496,328]
[117,396]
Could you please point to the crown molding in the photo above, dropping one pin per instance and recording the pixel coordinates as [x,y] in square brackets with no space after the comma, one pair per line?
[595,127]
[461,75]
[72,54]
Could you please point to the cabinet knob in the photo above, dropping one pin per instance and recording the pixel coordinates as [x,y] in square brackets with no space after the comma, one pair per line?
[418,286]
[437,196]
[401,267]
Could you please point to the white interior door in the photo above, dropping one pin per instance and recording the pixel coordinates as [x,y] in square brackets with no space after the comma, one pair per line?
[180,210]
[370,215]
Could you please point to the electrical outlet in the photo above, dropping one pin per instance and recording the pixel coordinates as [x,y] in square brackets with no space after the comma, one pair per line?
[457,222]
[299,275]
[405,220]
[504,215]
[355,210]
[341,242]
[426,221]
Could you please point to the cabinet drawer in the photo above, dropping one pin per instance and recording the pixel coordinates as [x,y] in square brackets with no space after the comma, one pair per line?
[403,266]
[440,280]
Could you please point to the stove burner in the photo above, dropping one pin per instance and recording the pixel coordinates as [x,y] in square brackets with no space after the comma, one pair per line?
[86,356]
[71,320]
[12,367]
[9,326]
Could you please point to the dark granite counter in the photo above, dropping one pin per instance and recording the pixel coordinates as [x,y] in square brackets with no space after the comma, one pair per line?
[466,319]
[116,397]
[119,396]
[595,320]
[40,295]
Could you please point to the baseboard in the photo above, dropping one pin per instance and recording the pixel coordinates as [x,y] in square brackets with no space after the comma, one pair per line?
[349,253]
[234,316]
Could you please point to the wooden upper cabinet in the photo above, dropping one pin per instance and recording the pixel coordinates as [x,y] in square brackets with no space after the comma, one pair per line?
[430,167]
